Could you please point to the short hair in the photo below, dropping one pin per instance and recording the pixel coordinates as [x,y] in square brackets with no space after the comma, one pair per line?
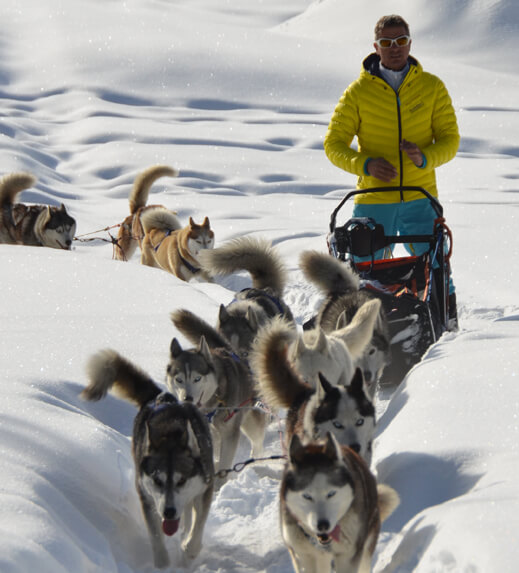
[390,21]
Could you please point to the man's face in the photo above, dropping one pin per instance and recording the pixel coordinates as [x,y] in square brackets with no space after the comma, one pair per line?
[395,57]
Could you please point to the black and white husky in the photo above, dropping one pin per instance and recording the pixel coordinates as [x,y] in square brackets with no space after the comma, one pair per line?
[172,451]
[313,411]
[331,508]
[240,320]
[220,384]
[342,300]
[33,225]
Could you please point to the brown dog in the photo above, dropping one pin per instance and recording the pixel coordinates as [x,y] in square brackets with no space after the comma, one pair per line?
[168,246]
[131,232]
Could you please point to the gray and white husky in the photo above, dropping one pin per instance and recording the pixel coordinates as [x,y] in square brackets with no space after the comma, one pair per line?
[331,508]
[172,451]
[313,411]
[343,299]
[219,383]
[240,320]
[314,352]
[33,225]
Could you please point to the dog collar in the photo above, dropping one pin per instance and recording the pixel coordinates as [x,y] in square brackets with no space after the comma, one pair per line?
[166,234]
[190,267]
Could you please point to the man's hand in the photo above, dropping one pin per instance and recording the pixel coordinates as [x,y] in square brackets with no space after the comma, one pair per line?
[413,152]
[381,169]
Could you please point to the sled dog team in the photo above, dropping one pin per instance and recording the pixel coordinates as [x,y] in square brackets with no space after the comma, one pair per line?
[254,362]
[163,240]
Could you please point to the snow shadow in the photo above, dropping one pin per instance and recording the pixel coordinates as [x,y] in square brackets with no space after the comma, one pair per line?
[422,481]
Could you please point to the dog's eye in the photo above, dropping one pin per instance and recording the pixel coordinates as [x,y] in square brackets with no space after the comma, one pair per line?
[359,422]
[244,354]
[157,480]
[181,482]
[338,425]
[179,380]
[308,497]
[372,351]
[331,494]
[198,378]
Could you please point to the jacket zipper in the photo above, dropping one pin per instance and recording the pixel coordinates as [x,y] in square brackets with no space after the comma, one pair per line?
[399,150]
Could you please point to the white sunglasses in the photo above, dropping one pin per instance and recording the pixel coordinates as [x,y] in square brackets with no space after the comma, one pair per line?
[400,42]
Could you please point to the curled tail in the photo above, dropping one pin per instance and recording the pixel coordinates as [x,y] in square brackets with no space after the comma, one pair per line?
[327,273]
[279,385]
[143,182]
[161,219]
[107,369]
[388,500]
[194,327]
[257,256]
[12,184]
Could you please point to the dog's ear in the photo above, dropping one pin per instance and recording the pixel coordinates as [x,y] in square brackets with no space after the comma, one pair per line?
[253,319]
[299,347]
[326,386]
[342,321]
[175,348]
[223,315]
[204,349]
[202,436]
[206,223]
[296,449]
[356,386]
[321,344]
[332,449]
[62,208]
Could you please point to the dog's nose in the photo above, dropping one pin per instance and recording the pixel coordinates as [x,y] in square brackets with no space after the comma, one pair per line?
[170,512]
[188,399]
[355,447]
[323,525]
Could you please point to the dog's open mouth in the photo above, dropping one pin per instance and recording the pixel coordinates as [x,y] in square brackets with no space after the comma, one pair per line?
[327,538]
[170,526]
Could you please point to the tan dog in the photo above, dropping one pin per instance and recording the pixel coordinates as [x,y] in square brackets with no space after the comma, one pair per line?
[131,232]
[168,246]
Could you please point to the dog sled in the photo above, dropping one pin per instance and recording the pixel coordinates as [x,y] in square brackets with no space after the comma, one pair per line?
[414,289]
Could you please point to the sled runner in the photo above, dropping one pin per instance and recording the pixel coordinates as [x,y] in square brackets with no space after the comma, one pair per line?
[414,290]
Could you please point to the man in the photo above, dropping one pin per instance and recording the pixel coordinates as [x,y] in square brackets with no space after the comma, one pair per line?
[405,125]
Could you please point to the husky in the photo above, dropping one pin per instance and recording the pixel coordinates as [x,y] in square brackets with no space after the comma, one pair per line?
[240,320]
[33,225]
[172,451]
[314,351]
[331,508]
[170,246]
[219,383]
[131,233]
[343,299]
[345,410]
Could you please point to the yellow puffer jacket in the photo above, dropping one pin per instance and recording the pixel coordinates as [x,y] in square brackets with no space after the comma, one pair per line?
[421,112]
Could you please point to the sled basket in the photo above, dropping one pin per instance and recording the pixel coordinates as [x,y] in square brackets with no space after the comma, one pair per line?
[413,289]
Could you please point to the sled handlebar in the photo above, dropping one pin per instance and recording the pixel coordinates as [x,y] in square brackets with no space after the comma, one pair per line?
[436,205]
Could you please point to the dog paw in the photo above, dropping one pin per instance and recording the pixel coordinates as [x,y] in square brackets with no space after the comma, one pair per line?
[190,551]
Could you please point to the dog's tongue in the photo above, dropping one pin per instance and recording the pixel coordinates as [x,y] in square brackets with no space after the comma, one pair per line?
[170,526]
[336,533]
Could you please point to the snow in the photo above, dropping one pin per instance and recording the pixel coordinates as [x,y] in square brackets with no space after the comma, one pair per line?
[237,95]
